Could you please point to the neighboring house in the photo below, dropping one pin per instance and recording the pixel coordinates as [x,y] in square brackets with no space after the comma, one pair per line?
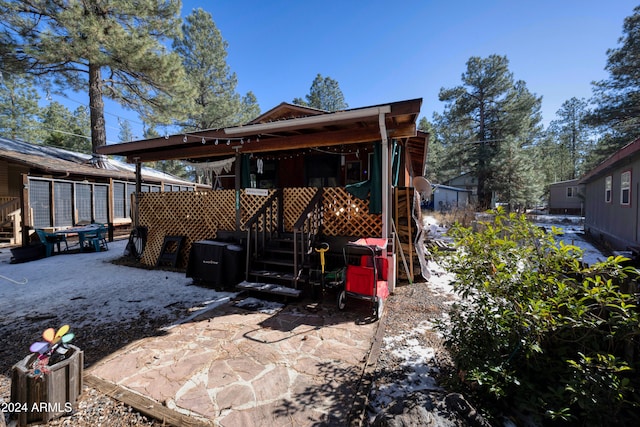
[445,197]
[611,209]
[468,181]
[566,197]
[52,188]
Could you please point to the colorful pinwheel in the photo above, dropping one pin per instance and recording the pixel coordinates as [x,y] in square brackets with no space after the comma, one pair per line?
[54,342]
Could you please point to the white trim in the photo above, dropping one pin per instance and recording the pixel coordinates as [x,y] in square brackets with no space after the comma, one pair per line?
[308,121]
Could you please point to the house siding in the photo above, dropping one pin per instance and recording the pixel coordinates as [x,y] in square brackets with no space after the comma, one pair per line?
[561,203]
[613,222]
[445,198]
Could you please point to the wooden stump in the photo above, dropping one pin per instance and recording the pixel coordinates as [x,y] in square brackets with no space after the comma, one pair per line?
[39,399]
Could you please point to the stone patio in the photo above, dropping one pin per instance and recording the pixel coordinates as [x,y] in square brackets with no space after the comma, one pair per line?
[300,366]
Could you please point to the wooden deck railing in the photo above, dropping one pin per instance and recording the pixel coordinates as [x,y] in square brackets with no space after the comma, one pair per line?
[10,217]
[306,228]
[262,226]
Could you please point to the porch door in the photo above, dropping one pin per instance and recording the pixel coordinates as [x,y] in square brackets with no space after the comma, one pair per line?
[322,170]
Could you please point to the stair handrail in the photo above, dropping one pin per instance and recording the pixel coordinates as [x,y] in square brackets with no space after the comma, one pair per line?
[7,208]
[266,214]
[306,228]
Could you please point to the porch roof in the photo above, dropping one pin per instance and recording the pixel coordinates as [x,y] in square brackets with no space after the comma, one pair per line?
[285,127]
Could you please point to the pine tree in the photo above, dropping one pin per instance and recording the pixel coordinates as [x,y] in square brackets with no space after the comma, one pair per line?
[126,131]
[324,94]
[66,129]
[18,108]
[108,49]
[617,99]
[516,182]
[572,137]
[204,52]
[489,109]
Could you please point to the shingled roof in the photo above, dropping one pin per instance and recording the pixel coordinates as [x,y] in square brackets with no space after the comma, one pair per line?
[46,160]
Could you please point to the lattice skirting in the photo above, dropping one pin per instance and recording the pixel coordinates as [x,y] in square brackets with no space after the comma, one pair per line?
[199,215]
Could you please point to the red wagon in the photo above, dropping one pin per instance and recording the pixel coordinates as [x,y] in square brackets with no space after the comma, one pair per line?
[366,273]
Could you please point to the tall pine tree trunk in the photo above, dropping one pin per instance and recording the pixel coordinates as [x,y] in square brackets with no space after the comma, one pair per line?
[484,197]
[96,112]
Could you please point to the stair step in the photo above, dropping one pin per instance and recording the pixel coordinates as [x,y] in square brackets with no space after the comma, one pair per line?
[280,243]
[281,251]
[268,288]
[278,262]
[272,274]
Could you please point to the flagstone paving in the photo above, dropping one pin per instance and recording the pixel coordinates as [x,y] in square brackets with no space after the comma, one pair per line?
[234,367]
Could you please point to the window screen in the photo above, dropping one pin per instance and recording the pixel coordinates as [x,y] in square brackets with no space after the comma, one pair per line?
[101,201]
[63,199]
[40,201]
[119,201]
[83,202]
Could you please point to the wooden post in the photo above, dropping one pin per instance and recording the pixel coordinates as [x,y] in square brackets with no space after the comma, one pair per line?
[136,221]
[25,206]
[238,183]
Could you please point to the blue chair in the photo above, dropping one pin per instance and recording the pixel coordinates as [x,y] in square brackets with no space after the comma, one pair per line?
[96,240]
[51,241]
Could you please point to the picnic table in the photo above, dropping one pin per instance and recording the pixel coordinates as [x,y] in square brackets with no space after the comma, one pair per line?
[91,237]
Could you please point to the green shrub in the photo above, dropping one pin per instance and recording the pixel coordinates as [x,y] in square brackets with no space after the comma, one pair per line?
[536,331]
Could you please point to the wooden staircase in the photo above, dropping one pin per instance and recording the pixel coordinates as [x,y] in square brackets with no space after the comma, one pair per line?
[9,221]
[274,270]
[278,261]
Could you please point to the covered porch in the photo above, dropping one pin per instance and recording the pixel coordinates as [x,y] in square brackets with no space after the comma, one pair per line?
[293,171]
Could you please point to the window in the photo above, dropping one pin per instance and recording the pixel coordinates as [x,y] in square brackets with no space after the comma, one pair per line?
[101,203]
[625,188]
[571,191]
[119,200]
[40,201]
[83,202]
[63,199]
[607,189]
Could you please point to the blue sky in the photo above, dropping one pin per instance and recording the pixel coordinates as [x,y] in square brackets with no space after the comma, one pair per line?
[383,51]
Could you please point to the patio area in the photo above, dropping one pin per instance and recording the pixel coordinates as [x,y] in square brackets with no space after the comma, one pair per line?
[223,358]
[299,364]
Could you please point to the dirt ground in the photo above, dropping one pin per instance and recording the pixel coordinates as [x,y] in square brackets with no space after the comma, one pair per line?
[408,306]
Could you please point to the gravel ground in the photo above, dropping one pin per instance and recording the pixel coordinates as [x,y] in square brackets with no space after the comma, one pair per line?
[408,307]
[412,359]
[93,408]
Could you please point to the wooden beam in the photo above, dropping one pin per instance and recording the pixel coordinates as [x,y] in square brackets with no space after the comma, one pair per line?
[270,144]
[145,405]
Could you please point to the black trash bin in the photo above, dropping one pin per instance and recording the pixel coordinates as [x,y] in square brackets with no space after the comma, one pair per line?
[233,270]
[206,261]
